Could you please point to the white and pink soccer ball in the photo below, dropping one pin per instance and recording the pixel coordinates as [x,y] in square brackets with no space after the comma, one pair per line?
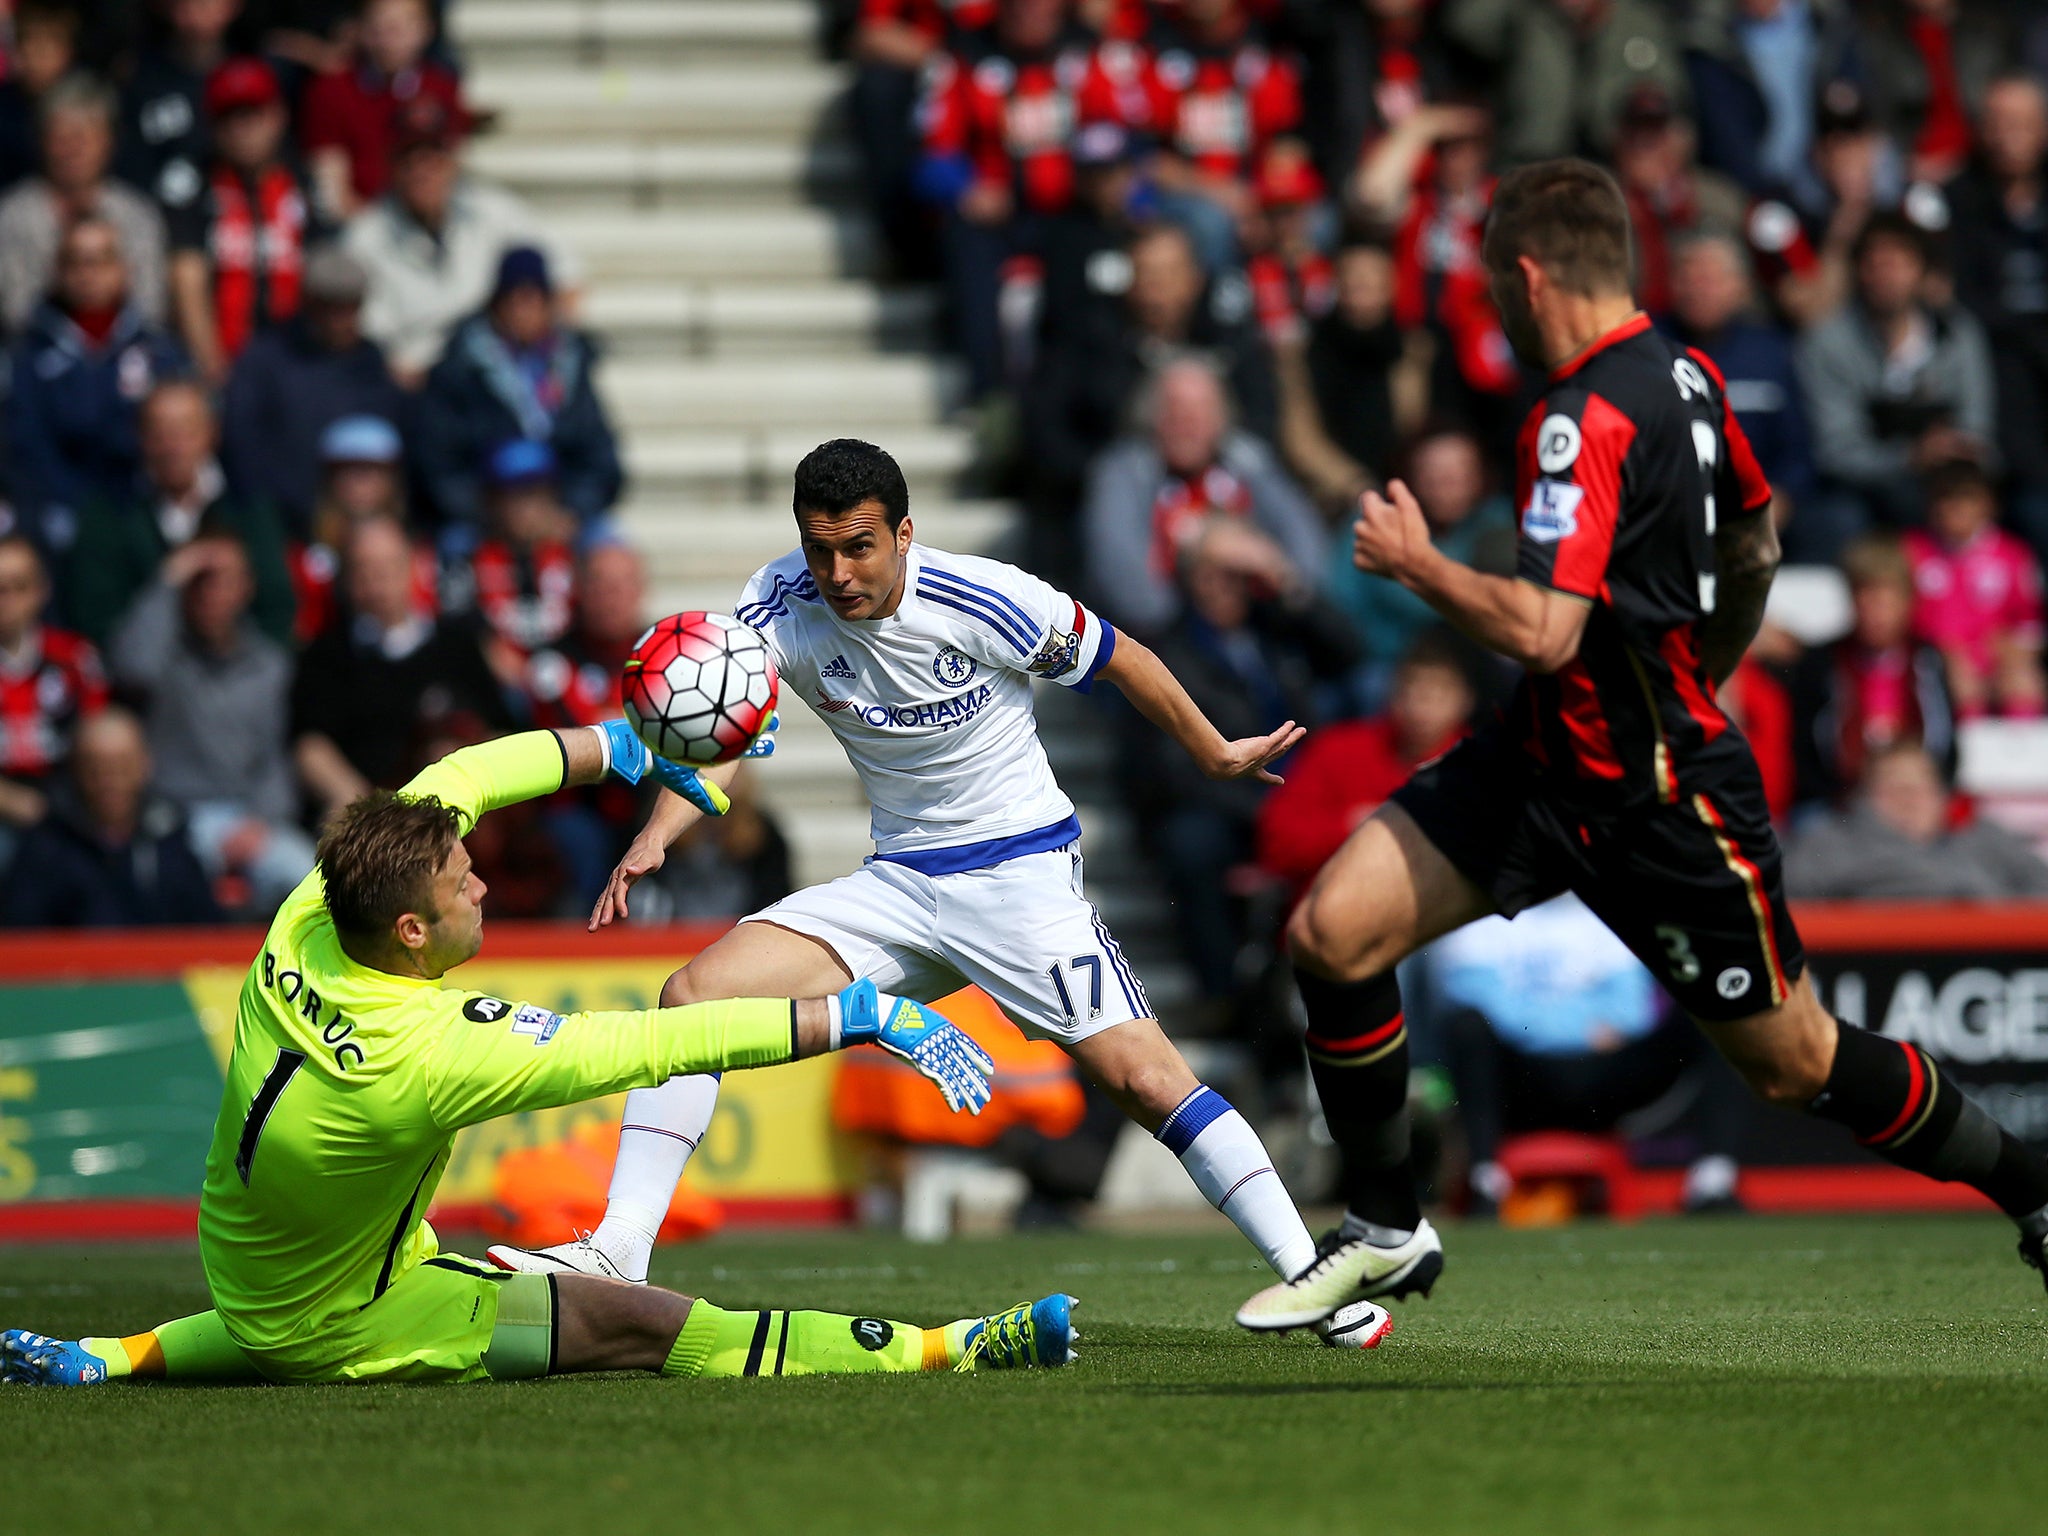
[699,688]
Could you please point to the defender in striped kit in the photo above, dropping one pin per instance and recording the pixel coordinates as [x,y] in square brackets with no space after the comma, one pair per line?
[922,664]
[1647,549]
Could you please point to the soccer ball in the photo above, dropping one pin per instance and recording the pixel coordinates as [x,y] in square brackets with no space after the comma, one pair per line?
[699,687]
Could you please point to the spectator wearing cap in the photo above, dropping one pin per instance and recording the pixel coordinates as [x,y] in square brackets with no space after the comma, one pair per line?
[78,374]
[362,476]
[519,578]
[432,244]
[292,382]
[516,371]
[217,694]
[1564,69]
[178,493]
[1895,386]
[384,674]
[350,120]
[238,248]
[1086,265]
[1756,68]
[1712,308]
[164,112]
[44,49]
[1669,196]
[1998,212]
[77,118]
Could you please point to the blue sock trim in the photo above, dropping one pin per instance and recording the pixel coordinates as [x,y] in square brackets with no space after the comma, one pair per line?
[1192,1116]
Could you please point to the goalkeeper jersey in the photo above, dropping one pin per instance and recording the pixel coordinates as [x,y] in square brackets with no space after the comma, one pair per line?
[346,1086]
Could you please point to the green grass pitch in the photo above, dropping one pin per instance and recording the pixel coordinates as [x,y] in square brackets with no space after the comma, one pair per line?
[1741,1375]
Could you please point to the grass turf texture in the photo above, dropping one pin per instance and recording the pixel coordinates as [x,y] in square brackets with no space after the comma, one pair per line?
[1732,1375]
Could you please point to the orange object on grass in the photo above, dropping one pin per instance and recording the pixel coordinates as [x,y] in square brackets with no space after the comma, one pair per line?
[1034,1085]
[541,1193]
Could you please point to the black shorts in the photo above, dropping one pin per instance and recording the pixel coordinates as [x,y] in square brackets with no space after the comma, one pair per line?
[1696,889]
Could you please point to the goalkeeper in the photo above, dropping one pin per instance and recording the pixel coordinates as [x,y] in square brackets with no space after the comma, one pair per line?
[352,1071]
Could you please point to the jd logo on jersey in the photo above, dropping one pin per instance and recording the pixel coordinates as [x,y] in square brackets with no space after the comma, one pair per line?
[952,667]
[1557,444]
[872,1333]
[485,1010]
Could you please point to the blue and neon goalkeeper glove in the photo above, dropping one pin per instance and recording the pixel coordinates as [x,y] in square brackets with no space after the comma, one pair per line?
[626,755]
[926,1039]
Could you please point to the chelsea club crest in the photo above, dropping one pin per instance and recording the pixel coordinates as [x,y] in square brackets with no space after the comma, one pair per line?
[952,667]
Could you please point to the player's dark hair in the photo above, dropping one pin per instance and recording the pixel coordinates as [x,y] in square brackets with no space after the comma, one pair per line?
[1889,224]
[379,859]
[838,476]
[1570,217]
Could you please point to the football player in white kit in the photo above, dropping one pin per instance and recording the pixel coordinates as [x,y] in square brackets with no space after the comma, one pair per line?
[921,663]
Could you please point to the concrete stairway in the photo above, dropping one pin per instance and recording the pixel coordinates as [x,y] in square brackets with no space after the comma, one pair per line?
[692,153]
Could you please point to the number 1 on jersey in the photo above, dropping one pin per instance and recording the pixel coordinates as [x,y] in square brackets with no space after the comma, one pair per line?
[287,1063]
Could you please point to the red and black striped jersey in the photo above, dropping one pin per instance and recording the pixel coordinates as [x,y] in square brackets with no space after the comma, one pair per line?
[56,679]
[1622,472]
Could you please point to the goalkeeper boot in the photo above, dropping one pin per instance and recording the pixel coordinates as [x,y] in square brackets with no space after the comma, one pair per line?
[1346,1270]
[1030,1334]
[581,1257]
[34,1360]
[2034,1240]
[1361,1325]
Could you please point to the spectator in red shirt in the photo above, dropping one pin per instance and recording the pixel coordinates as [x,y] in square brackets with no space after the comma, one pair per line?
[1977,597]
[522,575]
[1219,98]
[575,681]
[1344,772]
[1000,119]
[48,679]
[238,247]
[893,43]
[347,118]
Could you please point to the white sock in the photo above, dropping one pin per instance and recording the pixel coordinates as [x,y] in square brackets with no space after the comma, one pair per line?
[661,1129]
[1230,1166]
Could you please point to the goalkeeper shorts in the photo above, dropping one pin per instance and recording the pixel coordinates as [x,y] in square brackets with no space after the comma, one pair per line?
[446,1319]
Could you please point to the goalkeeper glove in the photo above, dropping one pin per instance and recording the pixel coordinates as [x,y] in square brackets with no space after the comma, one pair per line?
[626,755]
[927,1040]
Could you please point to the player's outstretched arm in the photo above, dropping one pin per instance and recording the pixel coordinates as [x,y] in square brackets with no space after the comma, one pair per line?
[492,1057]
[1746,559]
[1159,697]
[1534,625]
[670,818]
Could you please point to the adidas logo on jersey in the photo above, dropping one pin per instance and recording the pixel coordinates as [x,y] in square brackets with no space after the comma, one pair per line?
[837,667]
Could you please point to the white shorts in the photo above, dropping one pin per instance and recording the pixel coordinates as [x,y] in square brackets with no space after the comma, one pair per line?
[1020,930]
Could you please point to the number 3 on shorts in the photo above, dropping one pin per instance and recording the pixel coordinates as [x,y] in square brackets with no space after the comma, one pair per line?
[1685,965]
[1092,964]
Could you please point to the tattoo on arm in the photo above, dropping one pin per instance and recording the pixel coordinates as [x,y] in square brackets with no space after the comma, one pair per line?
[1746,555]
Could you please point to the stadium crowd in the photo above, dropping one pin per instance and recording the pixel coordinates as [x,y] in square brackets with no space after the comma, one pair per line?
[305,475]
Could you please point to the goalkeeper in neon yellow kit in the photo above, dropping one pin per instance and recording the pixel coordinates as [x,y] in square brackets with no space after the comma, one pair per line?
[353,1069]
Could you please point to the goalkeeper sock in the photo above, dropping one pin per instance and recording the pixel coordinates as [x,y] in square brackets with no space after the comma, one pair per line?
[1358,1055]
[195,1348]
[662,1127]
[1233,1170]
[715,1342]
[1897,1102]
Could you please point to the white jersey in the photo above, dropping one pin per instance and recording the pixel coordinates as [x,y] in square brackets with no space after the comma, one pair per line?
[933,703]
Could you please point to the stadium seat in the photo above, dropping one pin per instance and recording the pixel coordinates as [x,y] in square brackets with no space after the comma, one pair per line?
[1569,1155]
